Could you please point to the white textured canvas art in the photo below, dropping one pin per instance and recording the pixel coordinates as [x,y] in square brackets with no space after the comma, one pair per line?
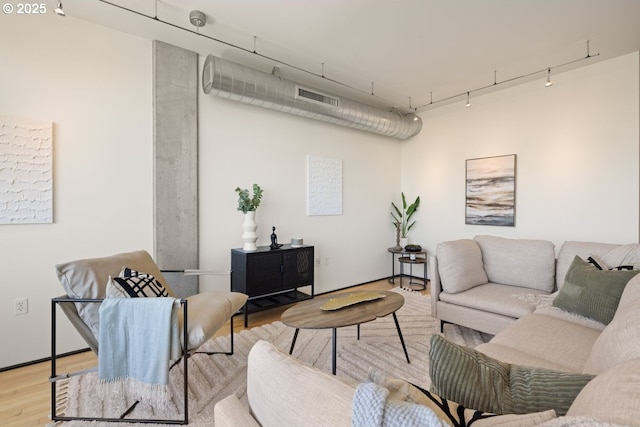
[26,176]
[324,186]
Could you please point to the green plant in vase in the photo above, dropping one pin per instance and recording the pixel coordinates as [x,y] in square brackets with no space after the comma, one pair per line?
[248,205]
[402,218]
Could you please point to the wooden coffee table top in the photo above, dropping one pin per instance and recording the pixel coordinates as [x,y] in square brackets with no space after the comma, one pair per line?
[310,315]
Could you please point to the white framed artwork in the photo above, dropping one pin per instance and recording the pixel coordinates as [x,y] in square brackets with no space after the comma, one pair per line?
[324,186]
[26,171]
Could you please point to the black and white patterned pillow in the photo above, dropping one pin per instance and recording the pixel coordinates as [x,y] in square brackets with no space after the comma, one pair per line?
[133,284]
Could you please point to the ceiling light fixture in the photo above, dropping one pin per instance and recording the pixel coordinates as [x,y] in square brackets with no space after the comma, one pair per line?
[495,82]
[58,10]
[549,82]
[197,18]
[468,104]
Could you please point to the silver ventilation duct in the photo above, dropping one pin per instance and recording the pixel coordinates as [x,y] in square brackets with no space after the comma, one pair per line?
[239,83]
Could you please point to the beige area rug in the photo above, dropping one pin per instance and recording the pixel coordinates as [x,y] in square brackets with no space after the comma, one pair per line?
[212,378]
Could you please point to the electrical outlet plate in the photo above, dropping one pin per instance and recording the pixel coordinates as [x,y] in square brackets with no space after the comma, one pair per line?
[21,306]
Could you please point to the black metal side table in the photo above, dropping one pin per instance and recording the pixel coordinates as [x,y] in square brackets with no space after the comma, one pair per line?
[411,260]
[402,252]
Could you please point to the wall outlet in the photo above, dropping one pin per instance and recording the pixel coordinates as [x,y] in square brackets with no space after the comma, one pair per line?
[21,306]
[317,262]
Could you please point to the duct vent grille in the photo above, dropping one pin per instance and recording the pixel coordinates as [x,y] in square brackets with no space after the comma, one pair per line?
[320,98]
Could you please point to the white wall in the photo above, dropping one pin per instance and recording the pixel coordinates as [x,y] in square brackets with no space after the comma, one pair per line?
[242,144]
[577,157]
[94,84]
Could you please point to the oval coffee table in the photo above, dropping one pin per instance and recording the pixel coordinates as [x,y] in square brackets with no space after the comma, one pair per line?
[310,315]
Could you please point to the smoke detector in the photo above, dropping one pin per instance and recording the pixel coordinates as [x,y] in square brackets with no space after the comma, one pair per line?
[197,18]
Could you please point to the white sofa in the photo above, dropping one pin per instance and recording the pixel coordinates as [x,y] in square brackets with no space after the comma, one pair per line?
[284,392]
[483,283]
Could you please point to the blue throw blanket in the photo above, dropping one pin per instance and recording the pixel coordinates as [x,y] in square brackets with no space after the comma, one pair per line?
[373,408]
[136,341]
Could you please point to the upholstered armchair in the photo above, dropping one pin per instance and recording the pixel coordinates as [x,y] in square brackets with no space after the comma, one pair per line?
[88,281]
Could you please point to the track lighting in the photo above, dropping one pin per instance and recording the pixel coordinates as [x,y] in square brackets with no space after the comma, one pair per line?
[58,10]
[468,101]
[549,82]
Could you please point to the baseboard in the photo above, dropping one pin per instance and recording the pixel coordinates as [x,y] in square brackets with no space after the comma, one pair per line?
[46,359]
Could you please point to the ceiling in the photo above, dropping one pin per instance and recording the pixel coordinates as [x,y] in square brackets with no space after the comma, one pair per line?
[408,53]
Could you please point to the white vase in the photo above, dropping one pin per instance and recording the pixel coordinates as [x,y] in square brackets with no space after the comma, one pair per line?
[249,237]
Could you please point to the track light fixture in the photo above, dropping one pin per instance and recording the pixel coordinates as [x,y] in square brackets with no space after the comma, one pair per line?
[58,10]
[510,80]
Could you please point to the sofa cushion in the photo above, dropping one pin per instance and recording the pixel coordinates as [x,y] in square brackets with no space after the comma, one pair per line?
[630,298]
[87,278]
[475,380]
[618,342]
[568,346]
[591,292]
[519,262]
[492,297]
[628,255]
[452,412]
[612,396]
[460,265]
[570,249]
[231,412]
[321,399]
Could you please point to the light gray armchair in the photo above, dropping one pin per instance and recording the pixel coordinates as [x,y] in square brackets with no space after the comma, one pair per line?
[85,282]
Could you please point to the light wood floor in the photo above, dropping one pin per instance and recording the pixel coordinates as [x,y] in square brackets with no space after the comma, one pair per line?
[25,393]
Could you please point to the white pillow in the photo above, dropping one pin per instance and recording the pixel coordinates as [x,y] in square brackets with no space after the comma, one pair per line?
[623,255]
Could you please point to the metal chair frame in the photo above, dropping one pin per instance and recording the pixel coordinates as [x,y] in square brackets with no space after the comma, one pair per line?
[56,377]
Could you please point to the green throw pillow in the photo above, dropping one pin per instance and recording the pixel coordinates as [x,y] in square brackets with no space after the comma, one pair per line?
[591,292]
[475,380]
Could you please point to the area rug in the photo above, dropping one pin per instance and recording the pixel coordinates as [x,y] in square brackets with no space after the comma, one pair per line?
[212,378]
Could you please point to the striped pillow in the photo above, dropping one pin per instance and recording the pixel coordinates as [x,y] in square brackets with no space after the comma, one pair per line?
[590,292]
[476,380]
[133,284]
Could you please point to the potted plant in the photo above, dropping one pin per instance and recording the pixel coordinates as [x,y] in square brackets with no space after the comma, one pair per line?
[402,218]
[248,206]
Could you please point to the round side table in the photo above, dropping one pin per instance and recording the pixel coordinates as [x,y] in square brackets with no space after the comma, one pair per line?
[411,261]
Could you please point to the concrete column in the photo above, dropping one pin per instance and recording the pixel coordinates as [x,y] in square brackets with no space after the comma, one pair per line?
[175,134]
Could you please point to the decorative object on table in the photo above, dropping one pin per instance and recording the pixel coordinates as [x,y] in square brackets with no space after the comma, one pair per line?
[397,247]
[350,299]
[248,206]
[296,242]
[401,219]
[413,248]
[491,190]
[274,239]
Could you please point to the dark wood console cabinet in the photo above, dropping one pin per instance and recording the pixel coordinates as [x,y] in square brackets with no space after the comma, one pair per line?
[271,277]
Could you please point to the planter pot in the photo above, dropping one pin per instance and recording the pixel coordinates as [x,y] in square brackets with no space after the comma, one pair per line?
[249,226]
[404,241]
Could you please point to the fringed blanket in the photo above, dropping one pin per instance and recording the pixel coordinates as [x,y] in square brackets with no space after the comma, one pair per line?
[136,342]
[372,408]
